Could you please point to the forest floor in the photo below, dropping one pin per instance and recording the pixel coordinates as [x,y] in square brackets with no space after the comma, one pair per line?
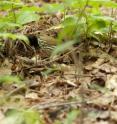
[83,78]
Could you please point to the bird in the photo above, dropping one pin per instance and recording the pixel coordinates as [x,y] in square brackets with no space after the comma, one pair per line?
[42,41]
[33,41]
[42,44]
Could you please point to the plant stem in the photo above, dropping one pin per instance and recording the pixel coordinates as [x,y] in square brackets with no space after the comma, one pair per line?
[13,13]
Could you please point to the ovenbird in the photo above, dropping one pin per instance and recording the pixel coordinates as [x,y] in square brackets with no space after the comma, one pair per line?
[43,44]
[42,41]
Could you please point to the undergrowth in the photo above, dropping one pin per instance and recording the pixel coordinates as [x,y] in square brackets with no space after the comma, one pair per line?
[81,20]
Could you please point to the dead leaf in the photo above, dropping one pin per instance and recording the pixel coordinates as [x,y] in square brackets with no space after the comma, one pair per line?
[32,95]
[111,82]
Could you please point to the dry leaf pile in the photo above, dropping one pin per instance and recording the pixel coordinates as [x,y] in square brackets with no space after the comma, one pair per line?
[55,86]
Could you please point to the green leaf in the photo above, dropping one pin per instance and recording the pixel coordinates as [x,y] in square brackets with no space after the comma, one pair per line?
[26,17]
[14,116]
[53,8]
[32,117]
[14,36]
[100,17]
[69,20]
[32,9]
[110,4]
[62,47]
[68,26]
[4,25]
[71,28]
[6,5]
[75,4]
[9,79]
[71,117]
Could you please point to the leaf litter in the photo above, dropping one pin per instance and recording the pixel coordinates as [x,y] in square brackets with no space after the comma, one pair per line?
[54,88]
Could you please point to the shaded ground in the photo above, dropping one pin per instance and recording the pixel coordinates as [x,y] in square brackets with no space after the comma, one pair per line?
[55,86]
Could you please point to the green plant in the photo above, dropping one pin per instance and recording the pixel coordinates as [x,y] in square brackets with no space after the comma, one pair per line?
[71,116]
[14,15]
[22,116]
[85,21]
[86,18]
[9,79]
